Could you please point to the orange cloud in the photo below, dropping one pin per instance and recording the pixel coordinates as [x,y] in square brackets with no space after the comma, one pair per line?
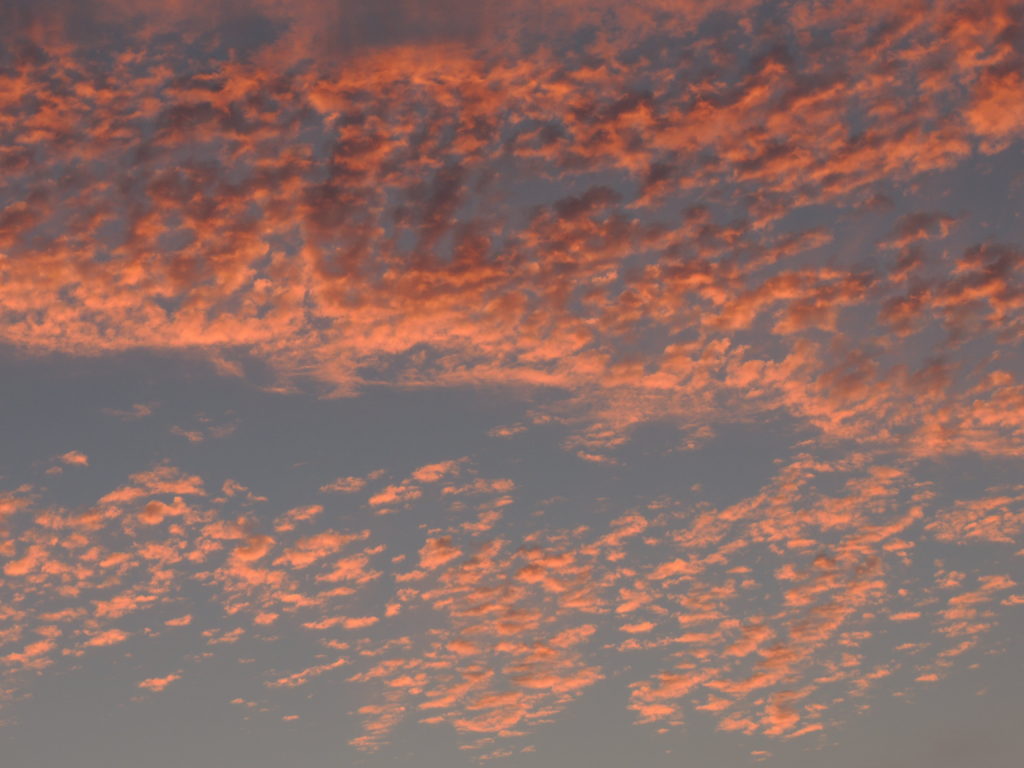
[157,684]
[75,458]
[614,243]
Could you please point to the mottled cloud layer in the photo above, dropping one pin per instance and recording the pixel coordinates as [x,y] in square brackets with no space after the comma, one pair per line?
[778,614]
[589,220]
[700,214]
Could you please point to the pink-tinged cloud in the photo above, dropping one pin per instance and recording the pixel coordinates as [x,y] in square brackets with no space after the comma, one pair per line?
[157,684]
[107,637]
[609,232]
[310,549]
[515,624]
[437,552]
[431,473]
[302,677]
[493,317]
[75,459]
[344,485]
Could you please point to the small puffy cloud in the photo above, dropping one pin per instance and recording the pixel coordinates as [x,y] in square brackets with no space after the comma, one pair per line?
[507,430]
[157,684]
[395,494]
[310,549]
[107,637]
[431,473]
[344,485]
[438,551]
[75,459]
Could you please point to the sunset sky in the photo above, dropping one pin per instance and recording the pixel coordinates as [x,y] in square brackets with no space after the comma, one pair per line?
[525,383]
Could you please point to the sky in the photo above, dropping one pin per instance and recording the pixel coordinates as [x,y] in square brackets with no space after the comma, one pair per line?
[449,383]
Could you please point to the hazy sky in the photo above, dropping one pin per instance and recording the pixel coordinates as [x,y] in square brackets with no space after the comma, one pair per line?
[545,382]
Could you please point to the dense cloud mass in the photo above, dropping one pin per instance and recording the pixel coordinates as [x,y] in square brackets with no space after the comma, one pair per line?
[695,214]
